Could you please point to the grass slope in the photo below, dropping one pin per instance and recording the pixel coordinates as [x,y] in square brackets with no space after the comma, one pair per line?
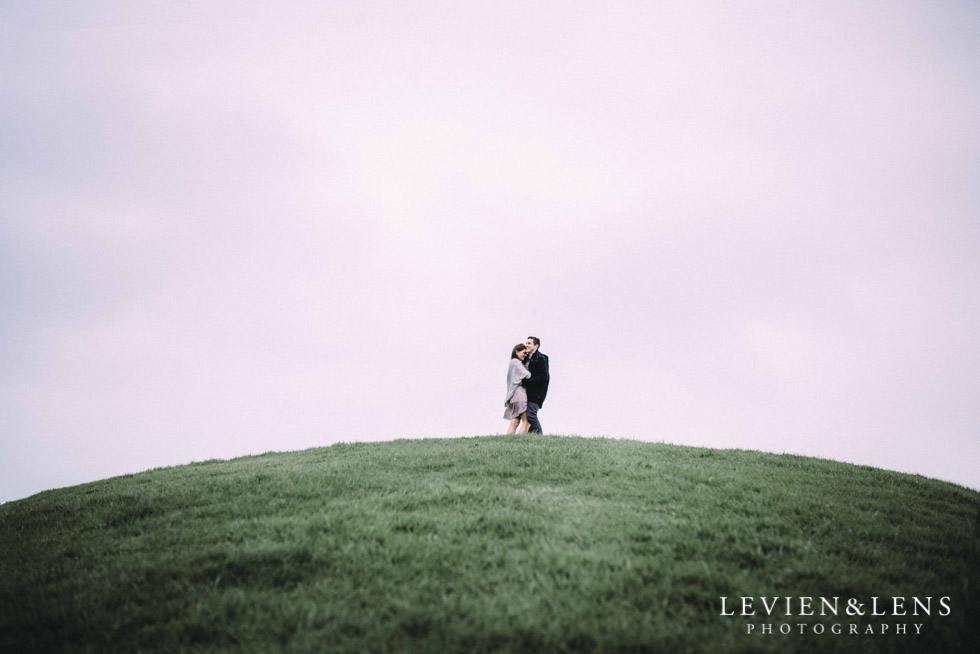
[537,544]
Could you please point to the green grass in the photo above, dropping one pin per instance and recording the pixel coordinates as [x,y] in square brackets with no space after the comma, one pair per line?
[518,543]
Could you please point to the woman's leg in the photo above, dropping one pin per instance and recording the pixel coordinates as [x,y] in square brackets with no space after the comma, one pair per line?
[512,427]
[525,425]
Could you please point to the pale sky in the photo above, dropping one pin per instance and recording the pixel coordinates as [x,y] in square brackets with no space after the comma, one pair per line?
[234,228]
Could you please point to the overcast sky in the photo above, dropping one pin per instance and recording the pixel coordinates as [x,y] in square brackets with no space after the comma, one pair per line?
[227,229]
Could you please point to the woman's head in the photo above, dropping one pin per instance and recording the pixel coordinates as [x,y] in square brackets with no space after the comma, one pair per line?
[519,351]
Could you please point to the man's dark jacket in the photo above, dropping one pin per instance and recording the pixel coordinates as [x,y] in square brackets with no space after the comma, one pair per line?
[537,384]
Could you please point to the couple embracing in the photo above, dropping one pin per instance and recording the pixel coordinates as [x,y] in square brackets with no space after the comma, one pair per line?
[527,386]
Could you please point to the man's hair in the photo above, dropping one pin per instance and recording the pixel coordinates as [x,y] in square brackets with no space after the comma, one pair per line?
[537,341]
[520,347]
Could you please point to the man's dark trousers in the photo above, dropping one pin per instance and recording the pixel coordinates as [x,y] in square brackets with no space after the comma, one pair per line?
[532,418]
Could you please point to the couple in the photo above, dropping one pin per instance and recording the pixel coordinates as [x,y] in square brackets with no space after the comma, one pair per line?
[527,385]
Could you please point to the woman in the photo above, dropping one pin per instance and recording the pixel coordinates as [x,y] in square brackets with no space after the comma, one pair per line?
[516,401]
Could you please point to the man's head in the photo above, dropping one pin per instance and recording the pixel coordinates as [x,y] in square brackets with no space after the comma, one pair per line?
[532,343]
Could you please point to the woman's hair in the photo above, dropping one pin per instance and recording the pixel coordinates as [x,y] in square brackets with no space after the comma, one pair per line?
[520,347]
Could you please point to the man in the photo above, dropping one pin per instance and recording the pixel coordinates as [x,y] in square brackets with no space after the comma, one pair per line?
[537,384]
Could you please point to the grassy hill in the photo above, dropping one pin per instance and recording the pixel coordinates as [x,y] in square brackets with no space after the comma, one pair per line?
[536,544]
